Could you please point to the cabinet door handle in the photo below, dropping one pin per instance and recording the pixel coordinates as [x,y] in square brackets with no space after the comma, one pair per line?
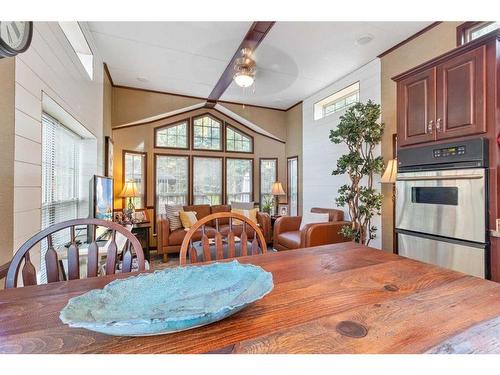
[429,126]
[438,125]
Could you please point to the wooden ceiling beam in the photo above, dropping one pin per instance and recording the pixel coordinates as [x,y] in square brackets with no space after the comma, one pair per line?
[254,36]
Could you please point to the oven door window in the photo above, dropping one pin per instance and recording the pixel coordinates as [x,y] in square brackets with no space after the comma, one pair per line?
[435,195]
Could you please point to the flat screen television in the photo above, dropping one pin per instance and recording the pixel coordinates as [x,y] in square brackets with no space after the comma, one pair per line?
[101,198]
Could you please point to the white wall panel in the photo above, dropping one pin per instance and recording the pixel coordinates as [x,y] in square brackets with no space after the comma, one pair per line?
[320,155]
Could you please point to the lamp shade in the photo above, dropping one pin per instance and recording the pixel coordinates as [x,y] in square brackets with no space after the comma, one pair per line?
[130,190]
[390,173]
[277,189]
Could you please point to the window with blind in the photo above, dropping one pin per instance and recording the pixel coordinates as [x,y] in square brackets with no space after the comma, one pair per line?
[268,175]
[239,180]
[60,177]
[135,170]
[207,180]
[172,180]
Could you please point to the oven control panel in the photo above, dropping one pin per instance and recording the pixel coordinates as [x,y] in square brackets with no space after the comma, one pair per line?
[449,151]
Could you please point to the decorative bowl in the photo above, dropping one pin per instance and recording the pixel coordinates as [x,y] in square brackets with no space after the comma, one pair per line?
[170,300]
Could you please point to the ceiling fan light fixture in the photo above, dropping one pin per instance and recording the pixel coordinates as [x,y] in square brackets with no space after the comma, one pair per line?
[245,69]
[244,79]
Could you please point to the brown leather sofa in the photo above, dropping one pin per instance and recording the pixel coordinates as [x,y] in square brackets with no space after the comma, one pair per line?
[287,234]
[170,241]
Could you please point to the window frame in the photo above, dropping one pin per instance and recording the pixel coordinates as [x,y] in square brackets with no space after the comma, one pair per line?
[173,124]
[222,132]
[260,176]
[145,175]
[464,28]
[227,158]
[191,172]
[324,102]
[155,175]
[289,190]
[236,130]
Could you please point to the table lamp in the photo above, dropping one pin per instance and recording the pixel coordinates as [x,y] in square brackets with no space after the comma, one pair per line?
[277,191]
[130,191]
[390,173]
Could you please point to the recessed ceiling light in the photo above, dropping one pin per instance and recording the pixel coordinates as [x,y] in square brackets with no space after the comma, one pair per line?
[364,39]
[142,79]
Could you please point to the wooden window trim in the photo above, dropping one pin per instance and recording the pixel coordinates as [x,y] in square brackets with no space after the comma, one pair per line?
[288,186]
[173,124]
[260,176]
[191,172]
[145,174]
[222,132]
[462,30]
[252,197]
[236,130]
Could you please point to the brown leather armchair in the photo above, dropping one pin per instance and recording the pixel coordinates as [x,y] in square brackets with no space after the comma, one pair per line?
[288,236]
[170,241]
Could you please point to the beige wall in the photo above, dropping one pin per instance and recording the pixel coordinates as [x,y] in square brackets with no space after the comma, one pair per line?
[141,138]
[434,42]
[7,131]
[294,143]
[131,105]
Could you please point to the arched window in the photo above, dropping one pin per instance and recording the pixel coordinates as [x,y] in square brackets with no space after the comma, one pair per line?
[173,135]
[238,141]
[207,133]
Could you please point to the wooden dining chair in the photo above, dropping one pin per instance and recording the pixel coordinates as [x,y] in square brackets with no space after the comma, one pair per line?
[257,245]
[22,256]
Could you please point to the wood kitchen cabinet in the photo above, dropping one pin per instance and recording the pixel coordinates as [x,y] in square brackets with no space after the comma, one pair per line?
[446,100]
[417,108]
[461,95]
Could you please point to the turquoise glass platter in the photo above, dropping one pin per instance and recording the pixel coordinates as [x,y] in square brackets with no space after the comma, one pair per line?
[170,300]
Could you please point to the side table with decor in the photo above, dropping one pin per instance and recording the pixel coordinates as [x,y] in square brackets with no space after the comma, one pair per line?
[141,231]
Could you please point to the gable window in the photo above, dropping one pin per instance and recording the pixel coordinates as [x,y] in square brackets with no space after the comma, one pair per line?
[337,102]
[469,31]
[76,38]
[173,135]
[172,180]
[238,141]
[207,133]
[207,180]
[134,169]
[268,175]
[239,180]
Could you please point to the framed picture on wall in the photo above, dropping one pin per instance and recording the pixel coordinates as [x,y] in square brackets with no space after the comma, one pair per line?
[108,165]
[283,209]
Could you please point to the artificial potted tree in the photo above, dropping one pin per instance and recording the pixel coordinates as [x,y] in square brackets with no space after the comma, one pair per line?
[360,130]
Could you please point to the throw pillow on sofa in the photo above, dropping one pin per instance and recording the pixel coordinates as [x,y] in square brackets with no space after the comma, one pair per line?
[251,214]
[313,218]
[172,212]
[188,218]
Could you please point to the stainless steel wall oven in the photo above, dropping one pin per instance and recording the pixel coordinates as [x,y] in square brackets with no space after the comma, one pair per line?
[442,205]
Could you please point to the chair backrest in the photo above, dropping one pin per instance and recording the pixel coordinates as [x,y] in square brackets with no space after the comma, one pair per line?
[189,246]
[51,258]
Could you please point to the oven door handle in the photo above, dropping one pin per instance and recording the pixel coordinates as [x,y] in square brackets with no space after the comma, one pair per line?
[434,178]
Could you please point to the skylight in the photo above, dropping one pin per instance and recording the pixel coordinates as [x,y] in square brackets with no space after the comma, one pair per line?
[75,36]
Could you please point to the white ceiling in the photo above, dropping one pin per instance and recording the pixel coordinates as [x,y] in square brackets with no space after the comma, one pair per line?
[295,60]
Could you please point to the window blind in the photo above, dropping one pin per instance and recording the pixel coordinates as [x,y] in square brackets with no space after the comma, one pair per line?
[60,176]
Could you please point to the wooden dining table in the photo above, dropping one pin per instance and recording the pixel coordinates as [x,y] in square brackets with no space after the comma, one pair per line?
[342,298]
